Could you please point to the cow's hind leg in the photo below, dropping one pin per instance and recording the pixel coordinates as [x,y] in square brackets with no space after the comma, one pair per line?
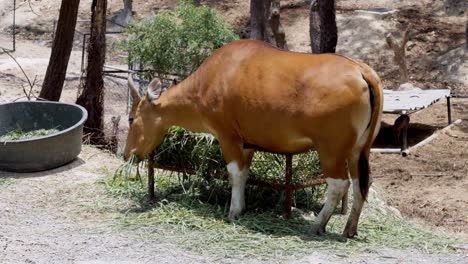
[338,183]
[358,199]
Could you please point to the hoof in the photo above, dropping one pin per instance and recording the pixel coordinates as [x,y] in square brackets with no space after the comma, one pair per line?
[316,230]
[348,233]
[344,210]
[234,213]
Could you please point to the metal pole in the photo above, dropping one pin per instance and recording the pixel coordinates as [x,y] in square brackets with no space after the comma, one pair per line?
[151,176]
[129,102]
[83,51]
[288,191]
[53,29]
[404,134]
[449,110]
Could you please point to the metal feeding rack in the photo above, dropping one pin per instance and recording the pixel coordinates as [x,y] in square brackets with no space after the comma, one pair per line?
[283,172]
[404,103]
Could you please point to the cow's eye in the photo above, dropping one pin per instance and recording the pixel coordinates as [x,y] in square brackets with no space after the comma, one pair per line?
[130,120]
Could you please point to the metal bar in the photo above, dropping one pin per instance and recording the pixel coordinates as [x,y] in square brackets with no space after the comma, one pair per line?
[116,71]
[83,51]
[429,139]
[449,110]
[54,25]
[386,150]
[288,193]
[115,76]
[404,135]
[458,96]
[151,194]
[129,102]
[254,182]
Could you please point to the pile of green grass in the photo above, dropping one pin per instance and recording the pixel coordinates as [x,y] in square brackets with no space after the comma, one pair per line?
[19,134]
[192,213]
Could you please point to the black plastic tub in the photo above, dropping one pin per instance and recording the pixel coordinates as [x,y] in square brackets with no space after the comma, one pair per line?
[45,152]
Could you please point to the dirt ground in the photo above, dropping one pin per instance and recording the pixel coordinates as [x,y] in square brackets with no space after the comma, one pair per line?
[63,216]
[39,219]
[431,184]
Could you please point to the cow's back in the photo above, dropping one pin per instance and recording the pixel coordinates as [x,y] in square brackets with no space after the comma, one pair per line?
[268,97]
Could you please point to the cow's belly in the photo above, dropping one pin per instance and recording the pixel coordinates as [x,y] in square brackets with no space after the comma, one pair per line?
[281,144]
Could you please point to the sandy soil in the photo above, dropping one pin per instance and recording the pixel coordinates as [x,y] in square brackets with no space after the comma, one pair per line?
[42,217]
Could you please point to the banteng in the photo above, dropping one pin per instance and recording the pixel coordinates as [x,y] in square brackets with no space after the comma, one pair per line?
[250,94]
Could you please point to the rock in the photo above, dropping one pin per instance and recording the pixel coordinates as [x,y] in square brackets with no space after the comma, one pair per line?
[455,7]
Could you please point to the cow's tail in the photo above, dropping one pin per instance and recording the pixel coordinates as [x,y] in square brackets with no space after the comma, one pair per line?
[376,102]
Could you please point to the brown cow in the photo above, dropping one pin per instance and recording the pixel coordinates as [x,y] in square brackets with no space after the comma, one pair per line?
[249,93]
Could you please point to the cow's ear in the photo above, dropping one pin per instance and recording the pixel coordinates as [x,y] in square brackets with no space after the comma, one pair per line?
[154,90]
[133,90]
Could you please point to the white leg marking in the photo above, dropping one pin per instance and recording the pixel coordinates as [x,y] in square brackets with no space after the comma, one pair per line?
[353,219]
[238,179]
[335,191]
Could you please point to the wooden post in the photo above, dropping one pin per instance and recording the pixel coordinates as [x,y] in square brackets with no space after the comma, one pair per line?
[151,195]
[288,190]
[275,24]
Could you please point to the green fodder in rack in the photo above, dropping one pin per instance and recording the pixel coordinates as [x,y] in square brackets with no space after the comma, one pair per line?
[197,153]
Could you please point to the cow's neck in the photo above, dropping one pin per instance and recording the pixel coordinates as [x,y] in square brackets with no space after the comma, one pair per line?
[180,107]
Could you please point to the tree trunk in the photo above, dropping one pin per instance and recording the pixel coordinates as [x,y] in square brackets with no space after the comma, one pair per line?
[399,51]
[258,18]
[323,30]
[275,24]
[265,22]
[128,6]
[127,11]
[454,7]
[123,16]
[61,50]
[92,96]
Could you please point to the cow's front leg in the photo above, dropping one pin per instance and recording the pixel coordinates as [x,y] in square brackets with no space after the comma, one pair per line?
[238,179]
[238,162]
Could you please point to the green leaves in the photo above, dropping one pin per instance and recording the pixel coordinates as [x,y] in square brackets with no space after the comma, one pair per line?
[176,42]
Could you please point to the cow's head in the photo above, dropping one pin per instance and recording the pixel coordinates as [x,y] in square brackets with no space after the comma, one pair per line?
[146,121]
